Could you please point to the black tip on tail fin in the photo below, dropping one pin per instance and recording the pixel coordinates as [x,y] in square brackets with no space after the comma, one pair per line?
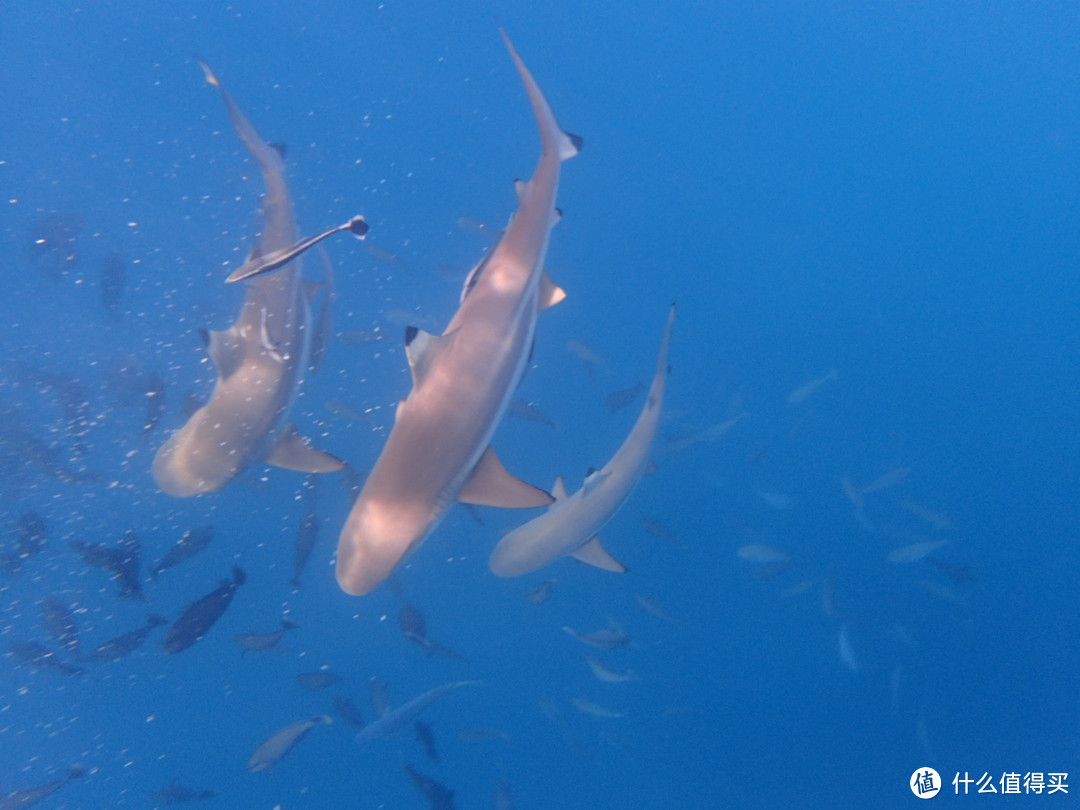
[239,577]
[358,227]
[410,334]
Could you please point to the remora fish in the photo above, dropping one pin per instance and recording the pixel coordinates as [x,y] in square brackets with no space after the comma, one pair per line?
[282,742]
[59,621]
[308,533]
[264,641]
[260,359]
[438,795]
[175,793]
[27,797]
[438,450]
[38,657]
[116,648]
[123,562]
[197,619]
[396,719]
[571,524]
[193,541]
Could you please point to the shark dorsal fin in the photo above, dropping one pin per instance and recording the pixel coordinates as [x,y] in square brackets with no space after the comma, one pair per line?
[422,348]
[592,553]
[550,293]
[491,485]
[292,451]
[558,489]
[226,349]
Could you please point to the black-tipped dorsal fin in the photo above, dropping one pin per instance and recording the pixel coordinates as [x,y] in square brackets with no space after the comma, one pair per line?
[422,348]
[491,485]
[592,553]
[593,479]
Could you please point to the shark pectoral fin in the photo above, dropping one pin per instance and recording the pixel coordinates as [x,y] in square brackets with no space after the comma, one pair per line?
[592,553]
[558,489]
[226,349]
[491,485]
[421,348]
[293,452]
[550,292]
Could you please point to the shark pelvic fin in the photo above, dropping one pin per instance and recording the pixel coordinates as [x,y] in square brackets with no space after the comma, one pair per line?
[592,553]
[226,349]
[491,485]
[293,452]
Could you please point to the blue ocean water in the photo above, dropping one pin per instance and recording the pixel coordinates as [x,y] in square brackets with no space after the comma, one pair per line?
[870,209]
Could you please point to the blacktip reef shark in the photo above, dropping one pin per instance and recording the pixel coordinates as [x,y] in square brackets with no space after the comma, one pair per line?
[260,359]
[438,450]
[571,523]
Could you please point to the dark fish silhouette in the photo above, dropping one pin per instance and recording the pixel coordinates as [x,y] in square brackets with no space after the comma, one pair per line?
[413,627]
[28,797]
[29,538]
[111,285]
[59,623]
[316,680]
[116,648]
[123,562]
[529,412]
[176,793]
[427,739]
[438,795]
[412,624]
[308,533]
[193,541]
[617,400]
[348,711]
[71,396]
[197,619]
[264,641]
[52,243]
[38,657]
[957,572]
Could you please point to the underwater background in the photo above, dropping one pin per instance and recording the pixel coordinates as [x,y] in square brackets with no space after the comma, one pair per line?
[858,553]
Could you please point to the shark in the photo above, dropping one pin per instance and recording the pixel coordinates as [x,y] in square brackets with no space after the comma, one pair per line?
[438,451]
[260,360]
[571,524]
